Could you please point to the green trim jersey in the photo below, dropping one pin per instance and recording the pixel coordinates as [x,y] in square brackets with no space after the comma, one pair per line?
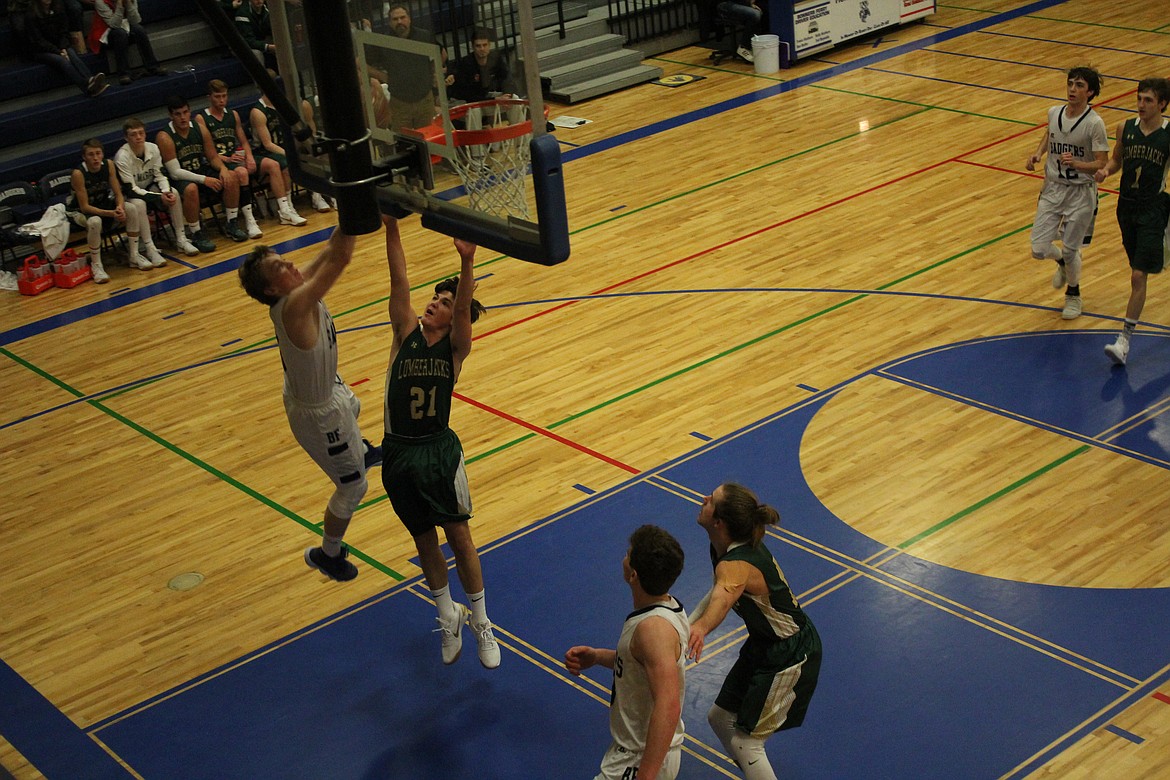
[189,148]
[419,386]
[1143,161]
[772,617]
[275,129]
[223,132]
[97,188]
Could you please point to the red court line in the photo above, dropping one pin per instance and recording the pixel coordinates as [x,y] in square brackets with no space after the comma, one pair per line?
[359,382]
[547,433]
[754,233]
[1028,174]
[1162,697]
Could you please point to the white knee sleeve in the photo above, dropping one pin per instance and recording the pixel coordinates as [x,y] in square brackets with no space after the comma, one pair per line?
[744,749]
[347,497]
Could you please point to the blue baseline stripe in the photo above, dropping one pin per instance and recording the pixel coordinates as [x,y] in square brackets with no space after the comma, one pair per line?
[31,724]
[77,315]
[1101,721]
[801,81]
[149,291]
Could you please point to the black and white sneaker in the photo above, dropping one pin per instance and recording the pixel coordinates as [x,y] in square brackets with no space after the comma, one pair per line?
[334,568]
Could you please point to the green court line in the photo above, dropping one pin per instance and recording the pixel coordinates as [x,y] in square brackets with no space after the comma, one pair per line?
[993,497]
[236,484]
[732,177]
[43,374]
[1156,30]
[923,105]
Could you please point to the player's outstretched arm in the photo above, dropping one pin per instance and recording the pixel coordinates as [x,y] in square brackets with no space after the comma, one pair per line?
[322,272]
[402,315]
[730,580]
[464,293]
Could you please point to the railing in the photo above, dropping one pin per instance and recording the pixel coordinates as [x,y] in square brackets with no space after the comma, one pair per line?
[640,20]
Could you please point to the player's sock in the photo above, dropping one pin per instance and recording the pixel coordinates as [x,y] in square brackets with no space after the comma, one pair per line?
[193,227]
[231,213]
[478,607]
[443,602]
[1074,290]
[331,545]
[1129,327]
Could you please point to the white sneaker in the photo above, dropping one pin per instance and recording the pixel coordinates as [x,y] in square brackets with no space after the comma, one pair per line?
[320,204]
[489,648]
[452,634]
[289,216]
[1059,278]
[154,256]
[251,227]
[139,262]
[745,54]
[1118,351]
[184,245]
[1072,307]
[99,273]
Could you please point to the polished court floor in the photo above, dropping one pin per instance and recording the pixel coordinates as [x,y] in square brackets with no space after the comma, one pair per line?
[816,282]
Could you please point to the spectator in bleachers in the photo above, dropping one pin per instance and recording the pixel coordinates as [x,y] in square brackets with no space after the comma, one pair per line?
[140,167]
[97,205]
[117,24]
[190,172]
[227,150]
[271,161]
[481,74]
[46,36]
[255,25]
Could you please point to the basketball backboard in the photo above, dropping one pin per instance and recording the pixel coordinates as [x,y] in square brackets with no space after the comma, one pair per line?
[484,170]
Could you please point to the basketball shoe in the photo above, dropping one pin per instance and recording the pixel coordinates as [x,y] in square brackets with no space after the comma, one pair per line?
[334,568]
[489,648]
[452,631]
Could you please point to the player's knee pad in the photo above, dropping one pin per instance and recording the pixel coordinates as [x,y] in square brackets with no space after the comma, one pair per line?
[749,753]
[348,496]
[722,723]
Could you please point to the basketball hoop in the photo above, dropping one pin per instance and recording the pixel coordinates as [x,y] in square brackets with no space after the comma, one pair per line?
[492,154]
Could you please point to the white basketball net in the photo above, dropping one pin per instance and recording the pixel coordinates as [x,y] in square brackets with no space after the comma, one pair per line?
[494,174]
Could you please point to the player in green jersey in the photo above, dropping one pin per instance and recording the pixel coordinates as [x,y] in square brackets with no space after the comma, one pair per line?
[1142,154]
[422,460]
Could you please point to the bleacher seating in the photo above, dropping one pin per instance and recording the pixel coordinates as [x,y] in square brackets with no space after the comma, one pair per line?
[43,120]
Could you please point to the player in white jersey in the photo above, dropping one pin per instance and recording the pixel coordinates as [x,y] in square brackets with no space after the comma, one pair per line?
[1077,147]
[322,410]
[645,711]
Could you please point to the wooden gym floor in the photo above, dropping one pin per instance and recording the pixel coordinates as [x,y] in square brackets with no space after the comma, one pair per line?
[816,282]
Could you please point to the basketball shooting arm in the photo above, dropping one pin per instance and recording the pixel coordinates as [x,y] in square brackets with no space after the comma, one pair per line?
[655,645]
[731,579]
[461,314]
[403,318]
[300,310]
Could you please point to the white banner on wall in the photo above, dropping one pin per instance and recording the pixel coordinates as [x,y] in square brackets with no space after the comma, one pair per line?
[821,24]
[811,25]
